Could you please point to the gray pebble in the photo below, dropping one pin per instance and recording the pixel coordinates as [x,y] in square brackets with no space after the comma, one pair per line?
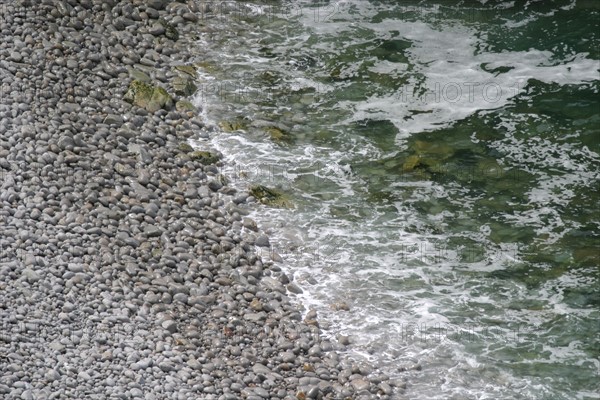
[52,375]
[262,241]
[293,288]
[360,384]
[31,275]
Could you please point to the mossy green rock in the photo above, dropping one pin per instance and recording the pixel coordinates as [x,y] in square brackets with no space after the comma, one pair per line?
[270,77]
[204,157]
[170,31]
[189,69]
[160,99]
[433,149]
[139,93]
[184,86]
[184,105]
[411,163]
[278,135]
[139,75]
[270,196]
[586,256]
[415,162]
[230,126]
[186,148]
[208,67]
[428,155]
[144,95]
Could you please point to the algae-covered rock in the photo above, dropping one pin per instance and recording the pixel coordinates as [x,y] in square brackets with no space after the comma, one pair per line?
[269,196]
[139,75]
[340,306]
[278,135]
[186,148]
[184,86]
[427,155]
[411,163]
[271,77]
[208,67]
[423,166]
[441,151]
[184,105]
[223,179]
[144,95]
[188,69]
[587,256]
[204,157]
[336,72]
[170,31]
[186,83]
[230,126]
[160,99]
[139,93]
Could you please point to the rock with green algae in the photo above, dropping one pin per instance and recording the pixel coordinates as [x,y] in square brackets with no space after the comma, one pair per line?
[189,69]
[139,75]
[185,148]
[230,126]
[270,196]
[270,77]
[411,163]
[204,157]
[427,155]
[441,150]
[184,85]
[170,31]
[586,256]
[144,95]
[207,66]
[184,105]
[340,306]
[278,135]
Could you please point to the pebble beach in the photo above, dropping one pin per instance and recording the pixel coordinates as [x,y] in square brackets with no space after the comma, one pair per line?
[128,265]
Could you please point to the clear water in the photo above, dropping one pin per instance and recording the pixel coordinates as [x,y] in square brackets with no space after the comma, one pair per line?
[442,160]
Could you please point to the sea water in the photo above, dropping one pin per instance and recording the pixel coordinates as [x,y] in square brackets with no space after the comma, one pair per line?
[442,163]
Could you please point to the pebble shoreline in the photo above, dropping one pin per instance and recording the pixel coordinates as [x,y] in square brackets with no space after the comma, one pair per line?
[128,268]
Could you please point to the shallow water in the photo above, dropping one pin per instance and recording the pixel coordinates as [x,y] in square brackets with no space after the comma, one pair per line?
[443,163]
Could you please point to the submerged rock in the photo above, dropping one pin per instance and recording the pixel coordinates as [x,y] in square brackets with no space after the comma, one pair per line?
[207,66]
[269,196]
[427,155]
[230,126]
[278,135]
[340,306]
[411,163]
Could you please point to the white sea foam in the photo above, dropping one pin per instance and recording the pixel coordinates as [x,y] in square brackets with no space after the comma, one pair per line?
[456,85]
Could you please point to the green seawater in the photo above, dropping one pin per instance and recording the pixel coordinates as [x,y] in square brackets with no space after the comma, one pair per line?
[443,159]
